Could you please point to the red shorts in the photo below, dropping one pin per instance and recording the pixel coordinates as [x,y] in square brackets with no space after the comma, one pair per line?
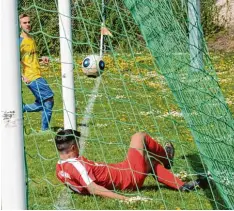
[136,162]
[129,174]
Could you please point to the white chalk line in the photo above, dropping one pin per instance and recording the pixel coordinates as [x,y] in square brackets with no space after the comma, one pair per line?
[64,197]
[84,128]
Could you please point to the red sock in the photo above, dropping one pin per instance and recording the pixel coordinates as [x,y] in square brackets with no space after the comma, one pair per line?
[166,177]
[157,149]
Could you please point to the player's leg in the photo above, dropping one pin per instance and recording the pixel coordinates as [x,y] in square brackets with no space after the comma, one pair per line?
[37,105]
[142,142]
[156,150]
[166,177]
[137,142]
[47,113]
[137,160]
[34,107]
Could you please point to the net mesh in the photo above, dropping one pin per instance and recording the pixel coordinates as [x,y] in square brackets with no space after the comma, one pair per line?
[154,81]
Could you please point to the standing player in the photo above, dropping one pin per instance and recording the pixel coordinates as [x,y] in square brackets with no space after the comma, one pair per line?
[144,156]
[31,74]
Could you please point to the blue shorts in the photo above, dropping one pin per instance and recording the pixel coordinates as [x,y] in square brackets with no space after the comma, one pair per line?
[40,89]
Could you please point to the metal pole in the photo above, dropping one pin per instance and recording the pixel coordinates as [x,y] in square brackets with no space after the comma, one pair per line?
[103,24]
[195,35]
[64,8]
[13,185]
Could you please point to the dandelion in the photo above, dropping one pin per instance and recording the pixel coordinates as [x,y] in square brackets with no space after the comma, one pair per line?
[146,113]
[172,113]
[120,97]
[101,125]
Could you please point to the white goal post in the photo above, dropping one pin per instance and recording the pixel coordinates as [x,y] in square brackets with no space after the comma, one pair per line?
[13,185]
[195,35]
[66,54]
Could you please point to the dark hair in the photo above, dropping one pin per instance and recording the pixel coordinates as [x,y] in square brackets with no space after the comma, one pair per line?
[23,16]
[65,138]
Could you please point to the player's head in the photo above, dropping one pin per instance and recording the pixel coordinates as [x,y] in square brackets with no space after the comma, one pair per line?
[25,23]
[67,141]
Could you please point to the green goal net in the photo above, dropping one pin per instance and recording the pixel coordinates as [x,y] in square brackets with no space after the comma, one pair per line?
[156,79]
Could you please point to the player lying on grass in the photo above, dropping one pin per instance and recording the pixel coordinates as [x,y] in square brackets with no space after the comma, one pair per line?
[145,156]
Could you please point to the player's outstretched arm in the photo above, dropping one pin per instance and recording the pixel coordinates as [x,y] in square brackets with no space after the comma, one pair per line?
[44,60]
[25,80]
[95,189]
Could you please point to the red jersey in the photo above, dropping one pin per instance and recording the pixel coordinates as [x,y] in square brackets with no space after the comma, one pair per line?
[79,172]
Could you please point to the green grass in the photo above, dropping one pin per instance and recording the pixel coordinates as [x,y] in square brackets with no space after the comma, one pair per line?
[131,98]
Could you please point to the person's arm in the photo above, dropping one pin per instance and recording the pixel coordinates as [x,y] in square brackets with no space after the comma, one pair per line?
[95,189]
[25,80]
[44,59]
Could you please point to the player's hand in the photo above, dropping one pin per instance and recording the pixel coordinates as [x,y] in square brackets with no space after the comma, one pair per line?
[136,199]
[25,80]
[45,60]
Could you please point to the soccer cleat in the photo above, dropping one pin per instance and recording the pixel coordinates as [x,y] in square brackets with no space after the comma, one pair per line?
[189,186]
[202,182]
[170,150]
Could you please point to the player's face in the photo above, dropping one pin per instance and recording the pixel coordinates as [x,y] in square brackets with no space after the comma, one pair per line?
[25,24]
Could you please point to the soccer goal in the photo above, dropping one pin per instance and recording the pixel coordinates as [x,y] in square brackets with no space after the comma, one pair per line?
[116,67]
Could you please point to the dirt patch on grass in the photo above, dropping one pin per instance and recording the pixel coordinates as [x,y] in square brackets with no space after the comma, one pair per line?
[222,41]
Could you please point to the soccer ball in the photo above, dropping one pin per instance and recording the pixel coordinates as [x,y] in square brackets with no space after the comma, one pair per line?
[93,65]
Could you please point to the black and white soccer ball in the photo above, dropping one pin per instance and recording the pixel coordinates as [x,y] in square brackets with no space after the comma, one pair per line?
[93,65]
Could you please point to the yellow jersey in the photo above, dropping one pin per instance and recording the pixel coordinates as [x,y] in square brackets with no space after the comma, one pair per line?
[29,59]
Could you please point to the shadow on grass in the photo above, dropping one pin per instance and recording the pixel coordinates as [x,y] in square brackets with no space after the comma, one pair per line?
[156,187]
[58,128]
[150,187]
[211,190]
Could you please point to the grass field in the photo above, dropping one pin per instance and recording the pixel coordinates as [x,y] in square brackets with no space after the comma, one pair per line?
[132,97]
